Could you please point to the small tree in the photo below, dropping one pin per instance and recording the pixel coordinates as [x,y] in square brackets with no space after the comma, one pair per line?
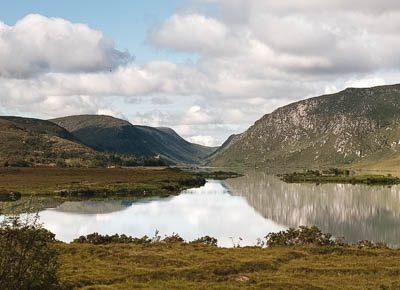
[27,258]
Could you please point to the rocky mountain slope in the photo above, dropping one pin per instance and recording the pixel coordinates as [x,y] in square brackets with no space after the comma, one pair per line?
[354,126]
[108,134]
[228,142]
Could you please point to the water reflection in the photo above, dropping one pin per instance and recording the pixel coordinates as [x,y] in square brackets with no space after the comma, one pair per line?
[93,207]
[209,210]
[356,212]
[248,207]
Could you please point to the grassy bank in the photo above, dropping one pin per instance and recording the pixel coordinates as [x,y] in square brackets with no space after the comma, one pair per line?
[186,266]
[75,181]
[219,175]
[51,186]
[338,176]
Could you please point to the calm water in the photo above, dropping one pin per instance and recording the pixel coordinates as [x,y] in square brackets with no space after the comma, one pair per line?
[248,208]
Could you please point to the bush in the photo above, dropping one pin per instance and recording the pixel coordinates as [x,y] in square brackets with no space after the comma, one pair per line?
[27,258]
[299,237]
[364,244]
[173,239]
[208,241]
[9,195]
[97,239]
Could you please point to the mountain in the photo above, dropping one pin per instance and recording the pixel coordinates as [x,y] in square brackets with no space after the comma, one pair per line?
[231,140]
[26,140]
[109,134]
[357,127]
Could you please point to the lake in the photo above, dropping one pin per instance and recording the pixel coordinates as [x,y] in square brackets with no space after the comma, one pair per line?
[239,211]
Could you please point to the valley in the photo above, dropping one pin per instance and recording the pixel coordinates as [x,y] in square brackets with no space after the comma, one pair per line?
[311,163]
[199,144]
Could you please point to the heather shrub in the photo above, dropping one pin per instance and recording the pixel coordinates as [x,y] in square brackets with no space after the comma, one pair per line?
[206,240]
[299,237]
[27,258]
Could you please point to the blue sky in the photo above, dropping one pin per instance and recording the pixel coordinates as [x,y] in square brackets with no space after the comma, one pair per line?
[206,68]
[126,22]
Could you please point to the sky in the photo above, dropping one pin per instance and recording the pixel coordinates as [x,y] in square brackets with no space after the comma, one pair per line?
[206,68]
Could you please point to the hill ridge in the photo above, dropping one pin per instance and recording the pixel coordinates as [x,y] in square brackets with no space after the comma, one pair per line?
[348,127]
[110,134]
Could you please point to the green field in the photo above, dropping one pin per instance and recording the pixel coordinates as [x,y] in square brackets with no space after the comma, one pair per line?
[48,187]
[185,266]
[67,181]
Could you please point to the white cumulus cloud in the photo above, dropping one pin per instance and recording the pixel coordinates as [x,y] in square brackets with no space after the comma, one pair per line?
[251,56]
[40,44]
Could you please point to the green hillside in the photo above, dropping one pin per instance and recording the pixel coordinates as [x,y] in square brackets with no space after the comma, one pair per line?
[33,141]
[353,127]
[109,134]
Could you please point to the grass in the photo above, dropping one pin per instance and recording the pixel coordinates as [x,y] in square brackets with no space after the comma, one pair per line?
[340,176]
[187,266]
[50,181]
[44,186]
[219,175]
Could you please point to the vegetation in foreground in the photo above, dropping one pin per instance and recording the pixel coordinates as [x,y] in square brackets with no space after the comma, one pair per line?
[197,266]
[335,175]
[302,258]
[28,258]
[55,185]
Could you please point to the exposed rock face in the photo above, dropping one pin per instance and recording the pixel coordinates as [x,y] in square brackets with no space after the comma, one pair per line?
[355,125]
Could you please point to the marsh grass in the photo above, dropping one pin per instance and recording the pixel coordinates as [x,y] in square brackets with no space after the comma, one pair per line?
[338,176]
[52,181]
[52,186]
[121,262]
[302,258]
[199,266]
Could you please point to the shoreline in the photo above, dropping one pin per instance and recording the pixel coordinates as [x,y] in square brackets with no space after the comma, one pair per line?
[340,177]
[32,188]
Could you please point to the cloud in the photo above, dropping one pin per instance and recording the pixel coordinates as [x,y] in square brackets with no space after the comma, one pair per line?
[366,82]
[197,115]
[291,41]
[251,56]
[189,32]
[203,140]
[236,10]
[37,44]
[111,112]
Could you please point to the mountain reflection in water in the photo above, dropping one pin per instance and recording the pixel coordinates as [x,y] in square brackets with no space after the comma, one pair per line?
[248,207]
[356,212]
[209,210]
